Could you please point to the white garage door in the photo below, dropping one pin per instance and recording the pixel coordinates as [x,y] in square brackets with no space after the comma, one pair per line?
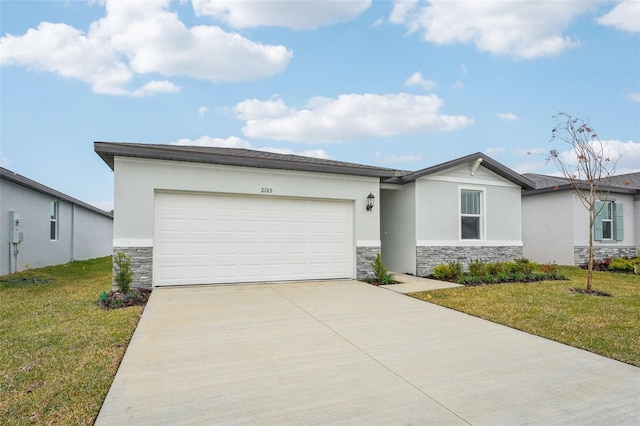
[200,239]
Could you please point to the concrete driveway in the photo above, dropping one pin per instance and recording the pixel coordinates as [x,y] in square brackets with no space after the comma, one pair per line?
[345,352]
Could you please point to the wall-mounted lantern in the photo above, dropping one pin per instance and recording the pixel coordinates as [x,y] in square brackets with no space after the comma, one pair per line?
[370,199]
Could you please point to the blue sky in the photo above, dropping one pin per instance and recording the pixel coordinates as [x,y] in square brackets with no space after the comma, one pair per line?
[398,84]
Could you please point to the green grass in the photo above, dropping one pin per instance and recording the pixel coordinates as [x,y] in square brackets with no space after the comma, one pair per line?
[609,326]
[59,352]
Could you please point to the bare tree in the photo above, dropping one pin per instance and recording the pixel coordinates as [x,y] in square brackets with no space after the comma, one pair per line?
[588,167]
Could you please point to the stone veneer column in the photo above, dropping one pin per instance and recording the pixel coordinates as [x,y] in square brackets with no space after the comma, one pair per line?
[364,259]
[141,265]
[428,257]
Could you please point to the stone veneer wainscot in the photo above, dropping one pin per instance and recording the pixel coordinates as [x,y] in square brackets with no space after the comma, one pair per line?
[428,257]
[141,265]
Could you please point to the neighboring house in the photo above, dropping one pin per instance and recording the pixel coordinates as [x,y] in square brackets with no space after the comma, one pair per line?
[41,226]
[198,215]
[461,210]
[556,223]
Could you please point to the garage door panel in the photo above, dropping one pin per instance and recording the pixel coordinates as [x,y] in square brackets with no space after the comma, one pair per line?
[226,239]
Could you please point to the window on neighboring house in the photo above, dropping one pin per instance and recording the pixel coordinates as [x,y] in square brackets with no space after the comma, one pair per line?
[609,224]
[470,217]
[54,221]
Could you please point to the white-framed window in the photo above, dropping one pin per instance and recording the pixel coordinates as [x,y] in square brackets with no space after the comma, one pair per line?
[609,221]
[53,233]
[471,214]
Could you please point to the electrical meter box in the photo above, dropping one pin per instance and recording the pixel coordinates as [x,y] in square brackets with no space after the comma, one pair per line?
[16,226]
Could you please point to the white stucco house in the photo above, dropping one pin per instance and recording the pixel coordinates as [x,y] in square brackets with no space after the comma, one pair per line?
[42,227]
[200,215]
[556,224]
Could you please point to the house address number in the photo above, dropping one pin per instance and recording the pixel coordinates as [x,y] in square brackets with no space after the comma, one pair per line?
[266,190]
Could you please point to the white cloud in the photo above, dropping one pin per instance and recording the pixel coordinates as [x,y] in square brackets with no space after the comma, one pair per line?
[626,154]
[493,150]
[416,79]
[298,15]
[347,118]
[507,116]
[458,85]
[520,29]
[408,158]
[235,142]
[377,22]
[136,38]
[253,109]
[463,69]
[202,110]
[634,97]
[154,87]
[67,51]
[4,161]
[625,16]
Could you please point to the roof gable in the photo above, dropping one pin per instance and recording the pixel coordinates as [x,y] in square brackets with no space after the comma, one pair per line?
[472,161]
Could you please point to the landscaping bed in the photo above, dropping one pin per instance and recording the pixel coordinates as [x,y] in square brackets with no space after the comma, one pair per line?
[479,273]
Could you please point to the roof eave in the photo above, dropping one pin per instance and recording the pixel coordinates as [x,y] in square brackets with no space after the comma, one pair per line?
[487,162]
[107,151]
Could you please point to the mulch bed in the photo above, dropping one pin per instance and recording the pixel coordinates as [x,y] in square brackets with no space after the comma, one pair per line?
[116,299]
[590,292]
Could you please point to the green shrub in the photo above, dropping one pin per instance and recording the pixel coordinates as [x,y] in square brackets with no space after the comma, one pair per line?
[495,268]
[510,268]
[470,280]
[442,272]
[478,268]
[456,270]
[524,265]
[620,265]
[124,274]
[381,273]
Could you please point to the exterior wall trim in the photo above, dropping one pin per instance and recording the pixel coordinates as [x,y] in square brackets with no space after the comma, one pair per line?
[468,243]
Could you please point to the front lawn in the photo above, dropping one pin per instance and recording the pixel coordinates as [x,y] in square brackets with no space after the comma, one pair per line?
[59,351]
[609,326]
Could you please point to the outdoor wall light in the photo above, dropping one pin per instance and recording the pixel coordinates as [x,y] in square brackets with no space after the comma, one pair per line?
[370,199]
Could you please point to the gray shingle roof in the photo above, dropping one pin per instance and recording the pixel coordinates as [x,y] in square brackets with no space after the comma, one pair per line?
[10,176]
[627,183]
[252,158]
[237,157]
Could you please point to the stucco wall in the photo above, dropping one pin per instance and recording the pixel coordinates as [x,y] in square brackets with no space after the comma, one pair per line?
[92,231]
[398,231]
[438,208]
[93,234]
[136,181]
[556,228]
[547,227]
